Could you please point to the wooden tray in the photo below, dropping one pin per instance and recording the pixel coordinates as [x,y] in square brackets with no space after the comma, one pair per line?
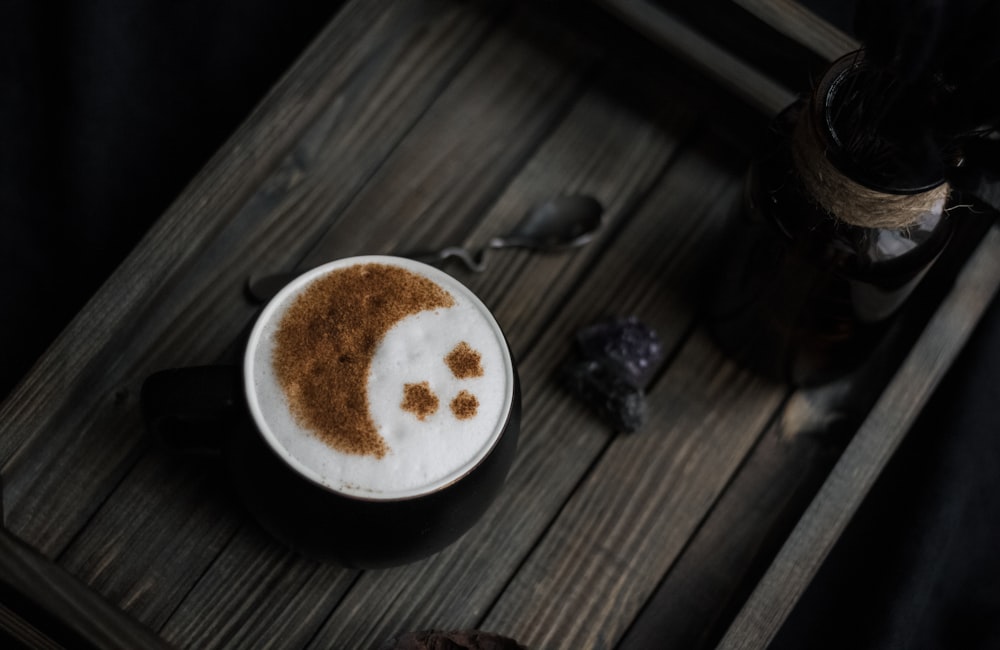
[412,125]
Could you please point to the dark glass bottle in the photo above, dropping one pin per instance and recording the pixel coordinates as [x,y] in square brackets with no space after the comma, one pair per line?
[828,246]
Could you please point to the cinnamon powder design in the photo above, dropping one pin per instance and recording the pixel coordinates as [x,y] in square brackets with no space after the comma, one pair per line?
[326,340]
[420,400]
[465,405]
[464,361]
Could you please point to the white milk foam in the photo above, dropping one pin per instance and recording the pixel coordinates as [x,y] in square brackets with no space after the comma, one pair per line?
[424,455]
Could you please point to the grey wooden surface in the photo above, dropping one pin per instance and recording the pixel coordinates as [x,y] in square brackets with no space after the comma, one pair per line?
[405,126]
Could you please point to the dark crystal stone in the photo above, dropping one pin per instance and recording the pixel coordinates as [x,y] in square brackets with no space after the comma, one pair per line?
[625,346]
[614,399]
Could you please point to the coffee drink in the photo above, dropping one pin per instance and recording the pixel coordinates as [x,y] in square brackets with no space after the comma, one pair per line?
[374,419]
[379,377]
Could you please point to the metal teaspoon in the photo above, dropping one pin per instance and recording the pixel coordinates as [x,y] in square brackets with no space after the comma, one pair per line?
[559,223]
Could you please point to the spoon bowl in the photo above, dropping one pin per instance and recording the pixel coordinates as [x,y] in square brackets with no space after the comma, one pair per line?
[562,222]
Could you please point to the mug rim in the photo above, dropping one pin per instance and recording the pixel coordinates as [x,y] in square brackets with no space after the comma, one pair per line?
[446,281]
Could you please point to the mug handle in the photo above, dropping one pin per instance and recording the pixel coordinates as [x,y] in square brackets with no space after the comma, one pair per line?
[191,410]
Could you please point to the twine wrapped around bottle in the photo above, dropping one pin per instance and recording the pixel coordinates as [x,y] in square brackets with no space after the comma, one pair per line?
[850,201]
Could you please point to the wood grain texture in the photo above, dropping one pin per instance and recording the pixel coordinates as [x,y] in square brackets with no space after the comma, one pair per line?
[643,273]
[214,310]
[599,147]
[257,594]
[613,150]
[795,20]
[691,605]
[636,509]
[387,223]
[488,120]
[52,608]
[193,219]
[139,553]
[177,300]
[753,86]
[869,451]
[145,548]
[746,528]
[406,126]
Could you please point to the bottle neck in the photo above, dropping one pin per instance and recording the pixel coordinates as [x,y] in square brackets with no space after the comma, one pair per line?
[829,153]
[847,200]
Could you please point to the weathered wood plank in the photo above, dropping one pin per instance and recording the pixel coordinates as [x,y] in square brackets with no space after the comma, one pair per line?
[177,299]
[51,608]
[614,145]
[600,147]
[180,234]
[434,136]
[606,148]
[869,450]
[141,525]
[688,44]
[647,271]
[454,163]
[766,495]
[257,594]
[626,524]
[506,61]
[693,606]
[796,21]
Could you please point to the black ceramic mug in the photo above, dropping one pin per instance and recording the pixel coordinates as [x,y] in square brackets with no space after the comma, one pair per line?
[373,420]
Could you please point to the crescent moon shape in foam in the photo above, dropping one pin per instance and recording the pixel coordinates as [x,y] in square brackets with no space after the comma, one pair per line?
[327,338]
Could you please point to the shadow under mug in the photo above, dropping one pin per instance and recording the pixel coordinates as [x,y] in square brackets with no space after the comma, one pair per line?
[204,410]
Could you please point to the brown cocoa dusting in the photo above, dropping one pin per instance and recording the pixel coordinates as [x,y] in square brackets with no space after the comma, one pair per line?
[465,405]
[464,362]
[420,400]
[325,342]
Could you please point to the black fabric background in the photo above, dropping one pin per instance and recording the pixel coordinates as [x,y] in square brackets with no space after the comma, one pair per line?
[919,565]
[108,108]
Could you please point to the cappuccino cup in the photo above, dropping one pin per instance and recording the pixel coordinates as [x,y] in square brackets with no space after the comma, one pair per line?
[373,419]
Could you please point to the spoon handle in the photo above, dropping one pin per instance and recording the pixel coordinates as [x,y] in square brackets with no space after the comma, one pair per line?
[473,262]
